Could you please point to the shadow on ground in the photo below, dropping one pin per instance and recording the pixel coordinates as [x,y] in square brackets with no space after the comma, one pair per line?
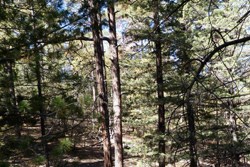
[85,157]
[88,153]
[86,164]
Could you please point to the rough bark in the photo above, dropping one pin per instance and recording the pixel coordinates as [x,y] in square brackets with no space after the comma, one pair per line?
[160,92]
[116,87]
[100,80]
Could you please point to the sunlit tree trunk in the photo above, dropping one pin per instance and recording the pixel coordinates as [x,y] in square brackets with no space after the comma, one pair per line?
[116,86]
[100,80]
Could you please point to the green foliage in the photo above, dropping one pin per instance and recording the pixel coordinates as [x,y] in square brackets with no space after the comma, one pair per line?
[44,36]
[86,101]
[39,160]
[13,145]
[4,164]
[63,147]
[24,106]
[59,105]
[65,109]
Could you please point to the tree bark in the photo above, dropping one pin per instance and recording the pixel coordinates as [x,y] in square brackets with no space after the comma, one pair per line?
[160,93]
[116,86]
[191,130]
[100,80]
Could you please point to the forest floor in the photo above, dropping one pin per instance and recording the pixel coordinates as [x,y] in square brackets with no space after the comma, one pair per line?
[92,156]
[86,153]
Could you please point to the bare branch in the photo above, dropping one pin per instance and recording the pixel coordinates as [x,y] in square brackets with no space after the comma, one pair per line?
[212,53]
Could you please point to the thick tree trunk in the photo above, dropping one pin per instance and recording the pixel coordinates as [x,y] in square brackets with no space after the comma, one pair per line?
[116,87]
[102,92]
[160,92]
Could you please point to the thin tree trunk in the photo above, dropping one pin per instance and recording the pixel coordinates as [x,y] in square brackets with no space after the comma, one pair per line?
[94,98]
[233,128]
[192,131]
[9,68]
[217,138]
[103,57]
[116,87]
[93,86]
[160,92]
[102,92]
[41,106]
[39,89]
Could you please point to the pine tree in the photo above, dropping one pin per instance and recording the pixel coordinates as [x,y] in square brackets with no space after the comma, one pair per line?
[116,86]
[100,79]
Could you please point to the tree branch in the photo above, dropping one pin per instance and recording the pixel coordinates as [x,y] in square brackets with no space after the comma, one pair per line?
[212,53]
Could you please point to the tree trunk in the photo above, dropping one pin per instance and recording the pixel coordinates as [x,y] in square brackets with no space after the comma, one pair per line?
[102,92]
[192,131]
[38,67]
[13,99]
[41,106]
[160,92]
[233,127]
[116,87]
